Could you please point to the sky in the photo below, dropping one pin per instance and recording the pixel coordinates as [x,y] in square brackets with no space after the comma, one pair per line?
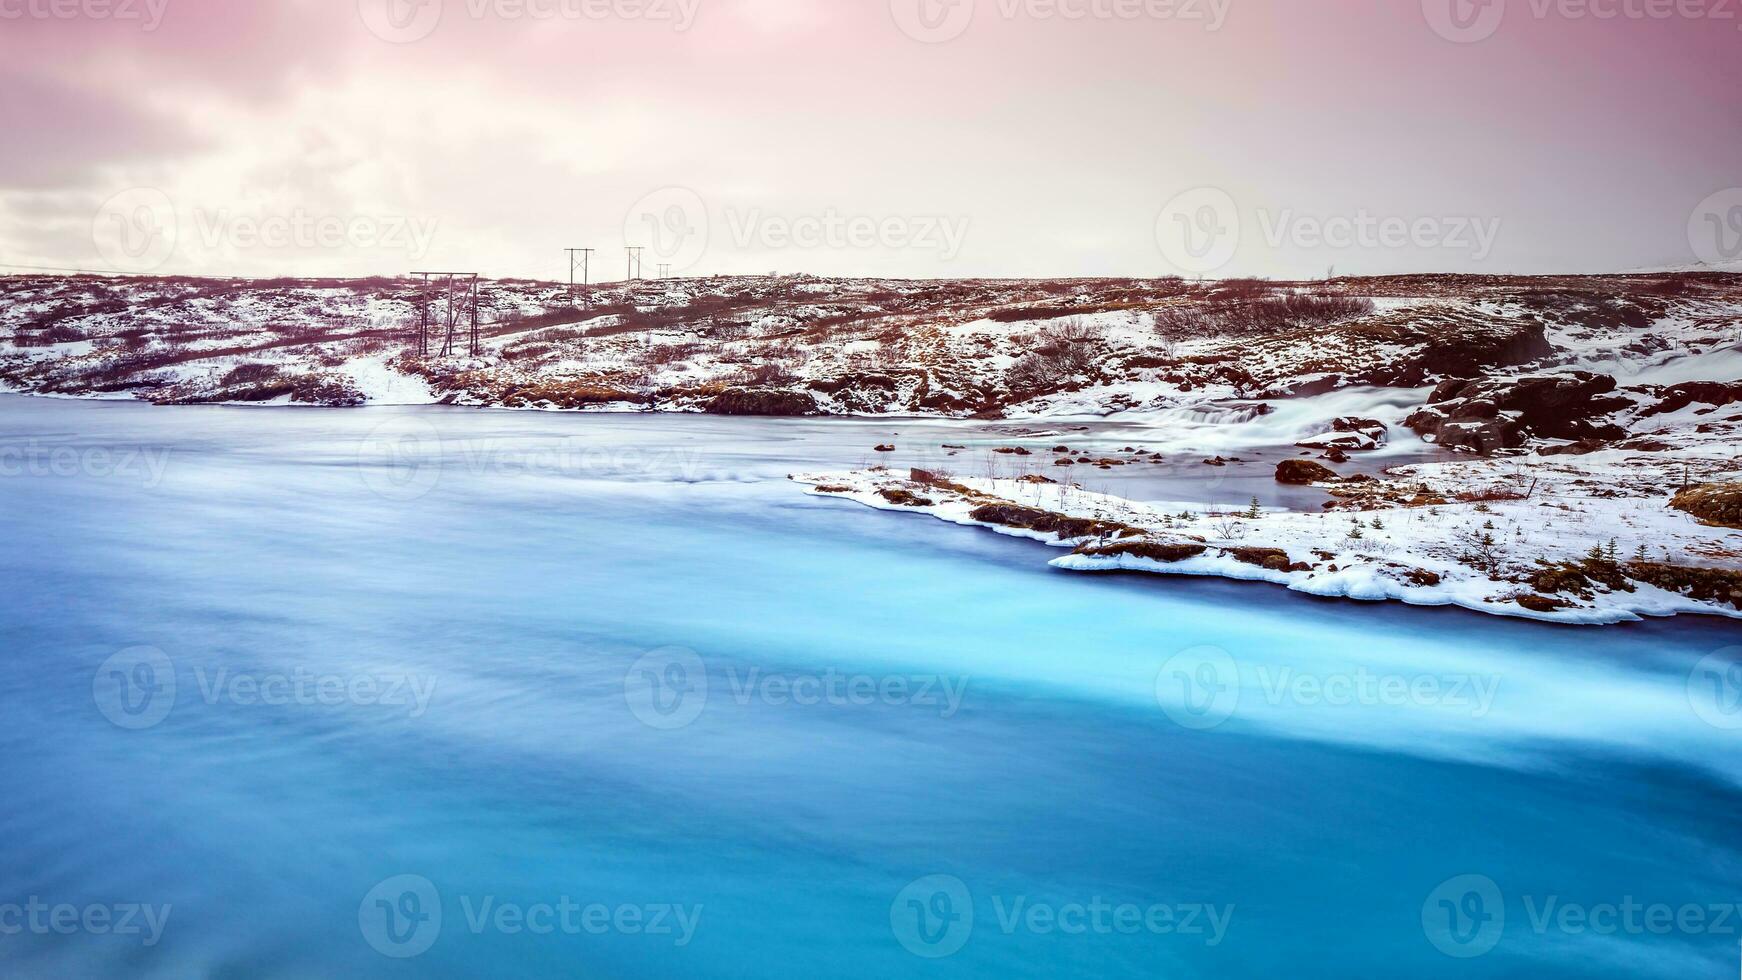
[903,138]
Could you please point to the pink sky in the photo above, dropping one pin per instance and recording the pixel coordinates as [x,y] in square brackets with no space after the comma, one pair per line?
[287,137]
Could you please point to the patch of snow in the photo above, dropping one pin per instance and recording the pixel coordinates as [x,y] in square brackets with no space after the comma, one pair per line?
[382,385]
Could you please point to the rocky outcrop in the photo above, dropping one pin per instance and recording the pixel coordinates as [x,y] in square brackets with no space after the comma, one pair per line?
[1166,552]
[1349,435]
[1717,585]
[905,498]
[1046,522]
[1303,472]
[1505,413]
[1677,397]
[1274,559]
[1714,503]
[1466,347]
[1400,349]
[763,401]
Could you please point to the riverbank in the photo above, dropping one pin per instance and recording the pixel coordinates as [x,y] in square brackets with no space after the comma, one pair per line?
[1557,550]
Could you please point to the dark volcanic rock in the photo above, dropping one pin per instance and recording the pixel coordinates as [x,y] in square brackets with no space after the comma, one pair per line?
[1678,397]
[1504,413]
[1353,424]
[763,401]
[1349,434]
[1303,472]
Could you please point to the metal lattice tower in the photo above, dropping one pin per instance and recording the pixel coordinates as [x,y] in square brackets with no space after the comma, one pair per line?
[459,311]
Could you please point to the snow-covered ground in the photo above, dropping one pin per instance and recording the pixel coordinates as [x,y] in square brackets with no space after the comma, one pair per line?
[1477,555]
[1595,397]
[1018,349]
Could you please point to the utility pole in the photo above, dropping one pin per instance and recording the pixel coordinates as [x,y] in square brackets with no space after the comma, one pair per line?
[423,324]
[477,341]
[583,257]
[665,270]
[459,305]
[634,262]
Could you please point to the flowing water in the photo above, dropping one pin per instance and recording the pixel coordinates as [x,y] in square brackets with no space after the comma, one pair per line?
[396,692]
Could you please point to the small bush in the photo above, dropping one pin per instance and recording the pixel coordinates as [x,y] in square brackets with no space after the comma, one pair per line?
[1058,354]
[250,374]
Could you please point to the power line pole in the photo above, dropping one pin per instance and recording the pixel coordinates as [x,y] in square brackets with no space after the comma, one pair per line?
[477,341]
[584,258]
[665,270]
[634,262]
[459,305]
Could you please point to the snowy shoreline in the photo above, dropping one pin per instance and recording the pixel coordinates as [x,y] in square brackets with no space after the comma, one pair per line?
[1403,554]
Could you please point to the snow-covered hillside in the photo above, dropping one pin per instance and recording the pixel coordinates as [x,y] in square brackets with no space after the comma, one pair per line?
[1594,423]
[798,345]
